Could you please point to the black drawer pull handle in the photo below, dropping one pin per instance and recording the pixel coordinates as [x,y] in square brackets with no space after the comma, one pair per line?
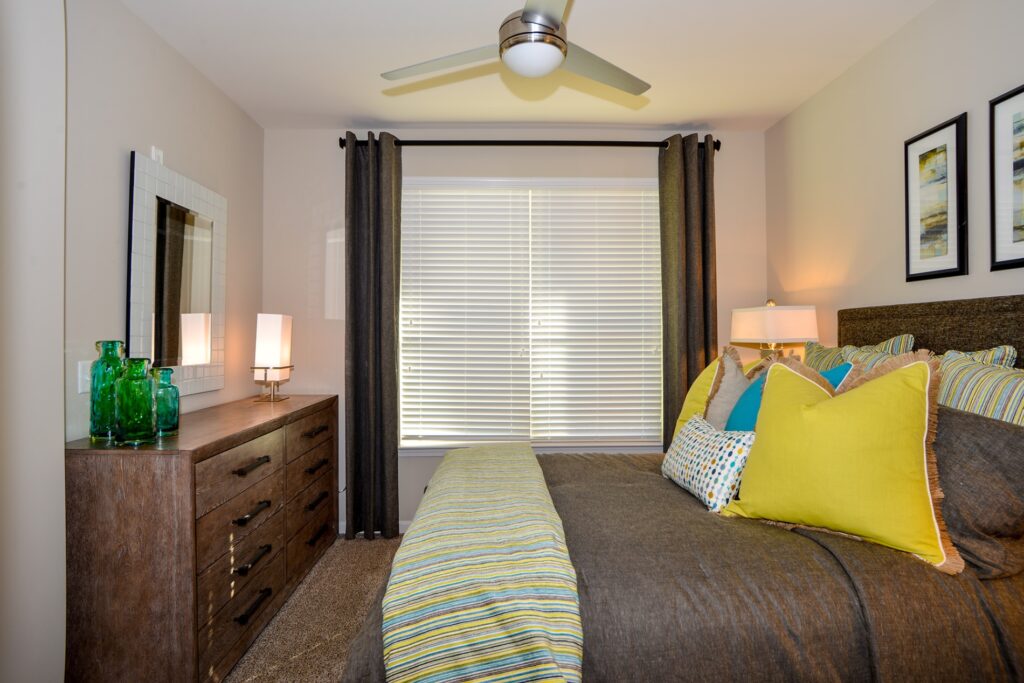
[244,569]
[315,431]
[319,532]
[248,517]
[316,503]
[258,462]
[312,469]
[248,614]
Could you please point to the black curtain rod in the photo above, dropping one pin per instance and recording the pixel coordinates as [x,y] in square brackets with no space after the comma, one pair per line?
[525,143]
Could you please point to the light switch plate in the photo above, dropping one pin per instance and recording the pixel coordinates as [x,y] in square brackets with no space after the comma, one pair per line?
[84,376]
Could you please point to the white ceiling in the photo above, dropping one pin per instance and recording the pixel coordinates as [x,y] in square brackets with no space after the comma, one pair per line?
[721,64]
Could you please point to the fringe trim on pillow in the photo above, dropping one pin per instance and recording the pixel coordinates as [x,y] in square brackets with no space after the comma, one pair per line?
[808,373]
[954,563]
[858,376]
[728,353]
[762,367]
[789,526]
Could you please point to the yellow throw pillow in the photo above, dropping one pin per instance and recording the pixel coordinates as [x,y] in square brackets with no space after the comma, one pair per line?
[860,462]
[696,401]
[697,397]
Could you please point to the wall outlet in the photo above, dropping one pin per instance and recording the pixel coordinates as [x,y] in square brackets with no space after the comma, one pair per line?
[84,376]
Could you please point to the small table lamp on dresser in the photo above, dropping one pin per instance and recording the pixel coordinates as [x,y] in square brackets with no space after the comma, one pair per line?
[180,552]
[770,326]
[273,363]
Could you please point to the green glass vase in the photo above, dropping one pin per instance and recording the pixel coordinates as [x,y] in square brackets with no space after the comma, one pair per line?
[135,404]
[103,373]
[167,399]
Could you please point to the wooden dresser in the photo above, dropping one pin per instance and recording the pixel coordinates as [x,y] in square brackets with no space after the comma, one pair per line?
[179,553]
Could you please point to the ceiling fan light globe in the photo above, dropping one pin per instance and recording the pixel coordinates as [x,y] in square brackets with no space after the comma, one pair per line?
[533,59]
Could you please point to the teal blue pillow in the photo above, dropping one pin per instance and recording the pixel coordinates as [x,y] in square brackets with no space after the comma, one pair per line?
[744,414]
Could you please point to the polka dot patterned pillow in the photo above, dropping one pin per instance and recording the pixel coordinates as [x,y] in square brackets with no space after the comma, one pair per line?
[707,462]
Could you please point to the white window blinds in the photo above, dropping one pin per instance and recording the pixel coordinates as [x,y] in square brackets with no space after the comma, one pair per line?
[530,312]
[465,314]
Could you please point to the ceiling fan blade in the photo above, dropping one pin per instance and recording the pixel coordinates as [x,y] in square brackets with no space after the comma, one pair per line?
[584,63]
[458,59]
[547,12]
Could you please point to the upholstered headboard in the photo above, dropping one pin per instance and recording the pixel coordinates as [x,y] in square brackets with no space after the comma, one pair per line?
[965,324]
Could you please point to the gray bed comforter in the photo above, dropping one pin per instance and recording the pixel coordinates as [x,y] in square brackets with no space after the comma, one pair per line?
[671,592]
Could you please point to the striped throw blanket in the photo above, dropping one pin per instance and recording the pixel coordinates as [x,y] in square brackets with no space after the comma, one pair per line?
[482,588]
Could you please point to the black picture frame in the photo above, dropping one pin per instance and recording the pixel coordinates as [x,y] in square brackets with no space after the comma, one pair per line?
[951,264]
[994,180]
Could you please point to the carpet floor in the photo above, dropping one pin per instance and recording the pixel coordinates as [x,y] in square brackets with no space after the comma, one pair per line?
[309,638]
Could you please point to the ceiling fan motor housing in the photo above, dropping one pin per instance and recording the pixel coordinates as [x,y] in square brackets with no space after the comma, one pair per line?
[516,30]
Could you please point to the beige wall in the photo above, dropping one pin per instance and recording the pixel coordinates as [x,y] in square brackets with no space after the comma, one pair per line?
[835,206]
[303,214]
[127,89]
[32,79]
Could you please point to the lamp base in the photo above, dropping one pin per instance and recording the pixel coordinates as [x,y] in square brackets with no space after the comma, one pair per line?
[272,397]
[769,349]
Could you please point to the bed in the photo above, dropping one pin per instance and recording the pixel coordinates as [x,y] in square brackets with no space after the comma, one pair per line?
[668,591]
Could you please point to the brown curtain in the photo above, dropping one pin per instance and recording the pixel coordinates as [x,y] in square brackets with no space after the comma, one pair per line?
[689,309]
[373,191]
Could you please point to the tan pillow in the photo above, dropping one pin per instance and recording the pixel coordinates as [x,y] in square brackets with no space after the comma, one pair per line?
[729,384]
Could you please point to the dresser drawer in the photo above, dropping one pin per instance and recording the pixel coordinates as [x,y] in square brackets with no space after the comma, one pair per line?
[309,502]
[219,672]
[240,614]
[310,431]
[233,571]
[301,473]
[306,546]
[220,530]
[226,474]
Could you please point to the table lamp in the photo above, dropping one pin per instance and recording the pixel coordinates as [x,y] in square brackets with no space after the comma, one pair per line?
[771,326]
[273,363]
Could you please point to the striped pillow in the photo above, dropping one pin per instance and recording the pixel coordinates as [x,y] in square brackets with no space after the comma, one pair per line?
[980,388]
[823,358]
[1004,355]
[870,356]
[901,343]
[867,359]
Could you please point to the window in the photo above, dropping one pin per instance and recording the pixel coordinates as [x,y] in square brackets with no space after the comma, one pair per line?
[530,311]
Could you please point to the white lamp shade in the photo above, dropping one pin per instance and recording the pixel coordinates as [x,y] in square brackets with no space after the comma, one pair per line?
[533,60]
[774,324]
[273,347]
[195,338]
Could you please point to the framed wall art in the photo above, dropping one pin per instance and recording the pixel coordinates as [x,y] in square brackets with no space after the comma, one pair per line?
[1006,179]
[936,201]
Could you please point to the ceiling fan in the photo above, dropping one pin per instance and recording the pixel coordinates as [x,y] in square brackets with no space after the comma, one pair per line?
[532,43]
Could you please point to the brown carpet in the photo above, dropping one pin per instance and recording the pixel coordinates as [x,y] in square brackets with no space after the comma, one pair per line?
[309,638]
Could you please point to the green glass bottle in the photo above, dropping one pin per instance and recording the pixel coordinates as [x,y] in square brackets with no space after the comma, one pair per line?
[103,373]
[167,399]
[134,404]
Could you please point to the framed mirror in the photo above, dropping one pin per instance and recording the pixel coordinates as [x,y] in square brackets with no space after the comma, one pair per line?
[177,265]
